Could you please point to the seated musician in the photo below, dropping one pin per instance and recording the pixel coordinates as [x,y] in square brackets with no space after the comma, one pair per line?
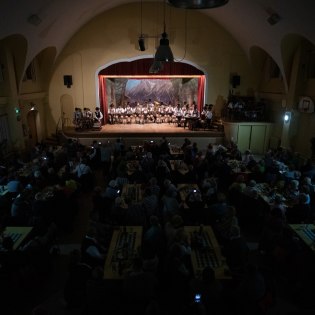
[112,112]
[77,117]
[178,113]
[209,115]
[150,105]
[98,116]
[128,109]
[87,113]
[195,111]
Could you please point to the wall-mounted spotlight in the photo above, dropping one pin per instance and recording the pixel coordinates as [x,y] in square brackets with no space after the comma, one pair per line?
[32,106]
[287,117]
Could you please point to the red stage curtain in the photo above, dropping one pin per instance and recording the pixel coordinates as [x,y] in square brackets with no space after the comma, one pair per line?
[103,99]
[201,92]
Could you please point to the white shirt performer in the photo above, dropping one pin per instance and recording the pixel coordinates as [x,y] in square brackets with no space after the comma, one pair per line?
[98,115]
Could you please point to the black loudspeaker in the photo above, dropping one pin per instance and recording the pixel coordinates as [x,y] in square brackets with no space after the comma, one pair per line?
[67,80]
[236,81]
[141,44]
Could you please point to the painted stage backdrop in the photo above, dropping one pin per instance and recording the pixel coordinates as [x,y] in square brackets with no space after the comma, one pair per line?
[171,90]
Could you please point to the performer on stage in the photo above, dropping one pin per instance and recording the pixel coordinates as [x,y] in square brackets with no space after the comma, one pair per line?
[98,115]
[112,112]
[77,117]
[87,113]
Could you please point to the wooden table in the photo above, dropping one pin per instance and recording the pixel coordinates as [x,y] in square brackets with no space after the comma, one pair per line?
[133,192]
[176,151]
[206,252]
[124,247]
[306,232]
[18,234]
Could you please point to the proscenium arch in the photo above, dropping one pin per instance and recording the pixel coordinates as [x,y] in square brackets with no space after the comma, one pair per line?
[98,70]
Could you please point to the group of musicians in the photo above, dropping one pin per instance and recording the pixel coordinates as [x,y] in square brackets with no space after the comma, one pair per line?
[149,112]
[87,119]
[155,112]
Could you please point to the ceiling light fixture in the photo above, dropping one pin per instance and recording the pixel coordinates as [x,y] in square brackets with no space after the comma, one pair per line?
[163,52]
[34,19]
[141,37]
[200,4]
[156,67]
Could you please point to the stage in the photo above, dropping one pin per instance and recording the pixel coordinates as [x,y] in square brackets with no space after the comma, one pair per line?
[137,133]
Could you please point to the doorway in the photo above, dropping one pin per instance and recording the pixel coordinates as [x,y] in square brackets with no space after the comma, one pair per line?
[32,120]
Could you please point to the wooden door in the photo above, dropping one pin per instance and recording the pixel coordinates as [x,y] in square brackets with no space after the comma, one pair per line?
[257,141]
[243,137]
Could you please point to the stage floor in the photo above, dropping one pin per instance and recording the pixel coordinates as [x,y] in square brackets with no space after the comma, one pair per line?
[136,130]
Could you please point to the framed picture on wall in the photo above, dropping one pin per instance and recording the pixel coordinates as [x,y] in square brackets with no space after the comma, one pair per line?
[306,105]
[1,72]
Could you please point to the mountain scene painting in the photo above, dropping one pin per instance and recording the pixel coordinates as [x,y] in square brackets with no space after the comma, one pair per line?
[138,91]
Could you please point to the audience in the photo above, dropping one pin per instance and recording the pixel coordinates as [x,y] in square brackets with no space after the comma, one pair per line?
[47,199]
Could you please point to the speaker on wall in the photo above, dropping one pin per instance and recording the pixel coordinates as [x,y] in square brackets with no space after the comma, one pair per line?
[236,81]
[141,44]
[67,80]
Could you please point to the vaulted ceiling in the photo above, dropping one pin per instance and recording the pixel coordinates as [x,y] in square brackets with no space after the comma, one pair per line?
[253,23]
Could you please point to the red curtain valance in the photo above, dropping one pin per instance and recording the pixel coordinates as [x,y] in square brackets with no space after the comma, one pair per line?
[142,66]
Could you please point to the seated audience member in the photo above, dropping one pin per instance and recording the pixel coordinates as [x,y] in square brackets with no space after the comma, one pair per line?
[300,212]
[307,181]
[239,184]
[162,172]
[150,203]
[14,185]
[154,187]
[246,157]
[21,208]
[139,288]
[169,187]
[279,204]
[236,250]
[209,187]
[251,291]
[120,181]
[171,226]
[308,169]
[272,230]
[210,290]
[111,191]
[234,152]
[251,190]
[292,191]
[154,237]
[227,225]
[75,287]
[148,165]
[84,173]
[170,204]
[218,209]
[93,253]
[119,211]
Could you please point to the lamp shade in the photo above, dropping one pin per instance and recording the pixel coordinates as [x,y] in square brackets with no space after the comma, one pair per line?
[164,52]
[200,4]
[156,67]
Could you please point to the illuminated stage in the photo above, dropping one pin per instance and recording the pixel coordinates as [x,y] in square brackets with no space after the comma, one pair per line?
[136,133]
